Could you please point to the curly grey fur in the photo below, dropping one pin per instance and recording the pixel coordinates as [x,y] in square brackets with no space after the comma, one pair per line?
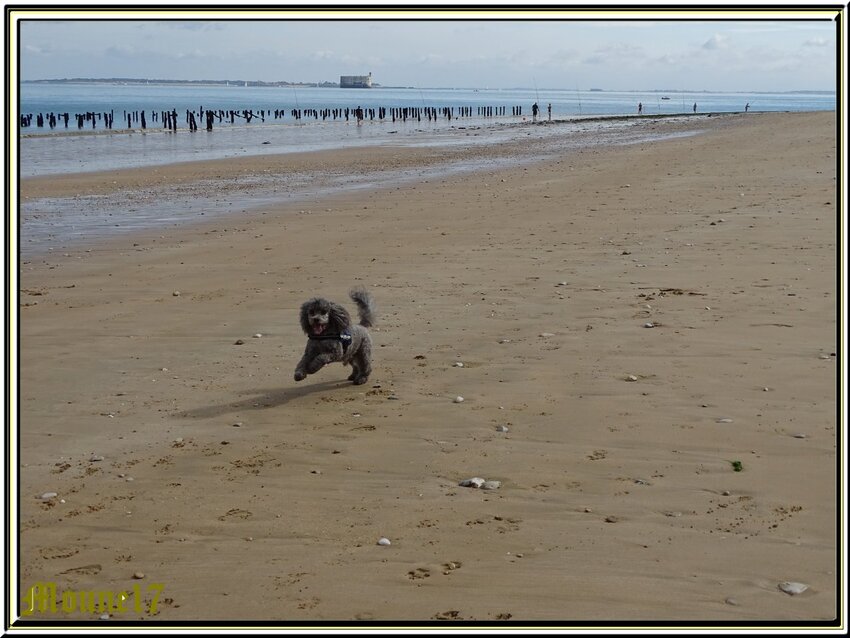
[324,320]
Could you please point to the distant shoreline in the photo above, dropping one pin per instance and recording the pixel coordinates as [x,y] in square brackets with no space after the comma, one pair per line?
[332,85]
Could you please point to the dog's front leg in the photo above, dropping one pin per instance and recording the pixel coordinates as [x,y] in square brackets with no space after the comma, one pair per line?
[311,365]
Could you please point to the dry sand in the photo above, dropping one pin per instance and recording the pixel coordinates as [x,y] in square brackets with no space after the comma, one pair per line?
[257,498]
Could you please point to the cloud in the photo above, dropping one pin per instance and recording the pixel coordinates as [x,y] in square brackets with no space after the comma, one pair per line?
[816,42]
[717,41]
[616,54]
[31,48]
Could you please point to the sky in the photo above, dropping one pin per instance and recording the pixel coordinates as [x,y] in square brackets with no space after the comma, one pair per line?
[714,55]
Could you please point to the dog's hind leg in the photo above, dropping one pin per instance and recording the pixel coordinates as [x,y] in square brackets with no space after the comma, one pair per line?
[362,369]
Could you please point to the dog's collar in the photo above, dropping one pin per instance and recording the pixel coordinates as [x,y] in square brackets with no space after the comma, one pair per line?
[343,337]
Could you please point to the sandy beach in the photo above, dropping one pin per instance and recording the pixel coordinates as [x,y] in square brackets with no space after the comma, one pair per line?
[644,320]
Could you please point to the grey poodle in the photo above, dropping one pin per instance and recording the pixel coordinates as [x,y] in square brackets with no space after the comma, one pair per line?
[332,337]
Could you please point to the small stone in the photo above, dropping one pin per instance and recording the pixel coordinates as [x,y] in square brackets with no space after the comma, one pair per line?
[48,495]
[458,399]
[475,482]
[631,377]
[612,519]
[384,541]
[649,324]
[238,342]
[491,485]
[164,369]
[726,493]
[504,340]
[793,588]
[799,436]
[501,428]
[724,420]
[138,575]
[238,424]
[258,335]
[104,616]
[94,458]
[562,283]
[176,293]
[732,601]
[129,479]
[766,389]
[673,514]
[547,334]
[458,364]
[315,471]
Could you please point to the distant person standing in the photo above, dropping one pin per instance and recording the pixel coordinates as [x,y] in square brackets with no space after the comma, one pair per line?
[640,108]
[534,110]
[747,108]
[695,107]
[550,111]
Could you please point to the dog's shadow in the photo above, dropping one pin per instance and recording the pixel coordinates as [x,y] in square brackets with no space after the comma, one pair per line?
[262,399]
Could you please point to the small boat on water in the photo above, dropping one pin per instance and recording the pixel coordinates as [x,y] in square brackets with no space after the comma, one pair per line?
[665,98]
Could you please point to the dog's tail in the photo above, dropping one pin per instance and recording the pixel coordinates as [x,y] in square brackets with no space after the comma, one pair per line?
[365,306]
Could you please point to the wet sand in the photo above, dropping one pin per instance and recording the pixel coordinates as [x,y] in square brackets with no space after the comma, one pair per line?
[254,497]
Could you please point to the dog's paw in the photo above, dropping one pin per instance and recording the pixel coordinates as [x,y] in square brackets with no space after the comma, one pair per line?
[359,380]
[300,376]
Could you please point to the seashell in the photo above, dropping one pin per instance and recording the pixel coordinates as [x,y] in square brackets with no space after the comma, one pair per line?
[258,335]
[458,399]
[48,495]
[491,485]
[138,575]
[800,436]
[501,428]
[649,324]
[458,364]
[475,482]
[547,334]
[384,541]
[793,588]
[95,457]
[631,377]
[724,420]
[176,293]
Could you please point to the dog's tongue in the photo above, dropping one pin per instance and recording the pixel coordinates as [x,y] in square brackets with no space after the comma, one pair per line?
[318,328]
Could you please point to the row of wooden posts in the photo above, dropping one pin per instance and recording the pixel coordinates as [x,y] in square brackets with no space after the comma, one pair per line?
[169,119]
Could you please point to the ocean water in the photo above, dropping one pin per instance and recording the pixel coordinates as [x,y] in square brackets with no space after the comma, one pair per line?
[46,151]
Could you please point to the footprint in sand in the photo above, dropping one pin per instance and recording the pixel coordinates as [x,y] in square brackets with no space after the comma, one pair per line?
[57,552]
[419,572]
[236,513]
[87,570]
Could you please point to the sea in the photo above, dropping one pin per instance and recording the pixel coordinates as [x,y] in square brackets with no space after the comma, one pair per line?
[466,117]
[45,150]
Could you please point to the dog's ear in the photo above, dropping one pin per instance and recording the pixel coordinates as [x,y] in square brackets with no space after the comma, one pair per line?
[339,318]
[305,323]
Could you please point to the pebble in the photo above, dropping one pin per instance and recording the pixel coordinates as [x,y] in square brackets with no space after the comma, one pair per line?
[793,588]
[458,364]
[649,324]
[732,601]
[48,495]
[631,377]
[612,519]
[138,575]
[104,616]
[238,424]
[95,457]
[458,399]
[258,335]
[176,293]
[547,334]
[673,514]
[800,436]
[491,485]
[562,283]
[384,541]
[239,342]
[725,420]
[475,482]
[501,428]
[504,340]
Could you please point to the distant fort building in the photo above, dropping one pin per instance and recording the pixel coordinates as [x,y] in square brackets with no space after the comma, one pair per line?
[355,81]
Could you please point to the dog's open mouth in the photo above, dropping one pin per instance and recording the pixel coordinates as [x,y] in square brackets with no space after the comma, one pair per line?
[318,327]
